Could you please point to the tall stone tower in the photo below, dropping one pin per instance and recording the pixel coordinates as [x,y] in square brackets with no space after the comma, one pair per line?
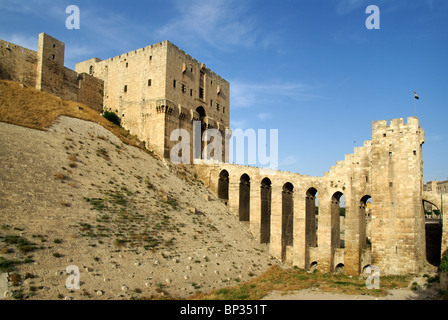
[398,222]
[50,65]
[160,88]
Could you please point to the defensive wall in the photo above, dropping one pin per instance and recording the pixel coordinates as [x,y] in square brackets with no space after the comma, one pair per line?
[45,71]
[280,206]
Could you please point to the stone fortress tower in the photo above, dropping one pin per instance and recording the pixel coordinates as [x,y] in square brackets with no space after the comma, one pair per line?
[160,88]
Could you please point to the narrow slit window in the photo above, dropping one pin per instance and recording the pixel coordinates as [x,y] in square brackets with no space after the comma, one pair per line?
[125,89]
[149,82]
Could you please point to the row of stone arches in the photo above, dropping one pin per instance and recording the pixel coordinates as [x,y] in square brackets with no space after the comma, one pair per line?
[285,206]
[288,193]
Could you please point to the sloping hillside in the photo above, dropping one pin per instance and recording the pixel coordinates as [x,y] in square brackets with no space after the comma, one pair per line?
[78,194]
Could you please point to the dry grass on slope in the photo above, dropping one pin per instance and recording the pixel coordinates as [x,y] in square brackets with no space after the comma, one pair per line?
[31,108]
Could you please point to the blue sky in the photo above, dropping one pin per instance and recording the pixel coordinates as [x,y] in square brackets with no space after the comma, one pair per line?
[309,68]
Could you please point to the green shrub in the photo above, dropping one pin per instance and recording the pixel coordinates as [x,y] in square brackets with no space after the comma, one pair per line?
[112,117]
[444,263]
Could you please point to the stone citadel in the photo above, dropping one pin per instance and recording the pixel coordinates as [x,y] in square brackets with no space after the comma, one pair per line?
[160,88]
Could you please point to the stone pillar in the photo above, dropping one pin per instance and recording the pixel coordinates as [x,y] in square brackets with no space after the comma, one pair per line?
[255,208]
[324,234]
[275,247]
[444,212]
[234,193]
[300,255]
[353,237]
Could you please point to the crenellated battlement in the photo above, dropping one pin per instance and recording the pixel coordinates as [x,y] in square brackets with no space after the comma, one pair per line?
[382,128]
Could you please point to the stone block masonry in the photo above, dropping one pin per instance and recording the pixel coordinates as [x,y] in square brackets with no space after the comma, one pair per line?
[388,170]
[45,71]
[160,88]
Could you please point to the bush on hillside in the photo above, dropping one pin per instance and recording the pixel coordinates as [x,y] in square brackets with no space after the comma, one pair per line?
[112,117]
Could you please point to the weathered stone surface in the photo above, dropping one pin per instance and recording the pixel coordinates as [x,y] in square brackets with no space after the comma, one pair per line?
[391,235]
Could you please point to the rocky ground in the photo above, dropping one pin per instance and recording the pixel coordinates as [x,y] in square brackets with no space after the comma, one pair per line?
[135,226]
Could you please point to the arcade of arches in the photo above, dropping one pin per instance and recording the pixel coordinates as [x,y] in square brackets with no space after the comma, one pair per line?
[299,218]
[366,210]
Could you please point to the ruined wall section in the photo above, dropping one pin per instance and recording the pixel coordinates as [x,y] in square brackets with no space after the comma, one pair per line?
[351,177]
[18,64]
[45,71]
[53,77]
[90,91]
[50,66]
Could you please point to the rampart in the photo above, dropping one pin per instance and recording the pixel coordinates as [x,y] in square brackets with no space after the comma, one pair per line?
[45,71]
[280,207]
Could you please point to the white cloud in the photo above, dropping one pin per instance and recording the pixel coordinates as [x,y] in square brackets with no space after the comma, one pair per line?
[263,116]
[347,6]
[238,124]
[222,24]
[288,161]
[246,94]
[28,42]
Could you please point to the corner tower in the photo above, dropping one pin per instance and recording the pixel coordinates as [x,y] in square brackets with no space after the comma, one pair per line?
[50,65]
[398,222]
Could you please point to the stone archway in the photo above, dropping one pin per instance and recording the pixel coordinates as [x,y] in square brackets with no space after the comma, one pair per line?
[202,116]
[363,216]
[223,186]
[433,235]
[266,195]
[336,242]
[311,222]
[287,217]
[244,205]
